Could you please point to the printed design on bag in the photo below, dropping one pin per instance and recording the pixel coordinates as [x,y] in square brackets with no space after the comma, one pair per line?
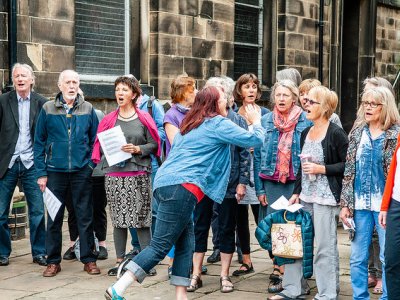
[296,235]
[288,250]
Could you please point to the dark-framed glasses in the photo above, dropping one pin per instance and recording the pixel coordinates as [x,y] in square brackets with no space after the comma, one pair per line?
[372,104]
[311,101]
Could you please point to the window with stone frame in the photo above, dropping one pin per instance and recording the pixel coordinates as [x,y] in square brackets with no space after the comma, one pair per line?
[248,37]
[102,38]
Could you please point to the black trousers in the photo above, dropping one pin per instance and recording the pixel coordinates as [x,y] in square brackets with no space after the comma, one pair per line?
[392,250]
[99,211]
[242,221]
[80,185]
[226,224]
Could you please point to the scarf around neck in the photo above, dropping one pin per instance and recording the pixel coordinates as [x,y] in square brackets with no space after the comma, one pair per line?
[286,127]
[109,121]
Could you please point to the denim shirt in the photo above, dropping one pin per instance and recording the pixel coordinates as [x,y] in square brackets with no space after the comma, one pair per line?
[158,117]
[202,156]
[265,157]
[369,182]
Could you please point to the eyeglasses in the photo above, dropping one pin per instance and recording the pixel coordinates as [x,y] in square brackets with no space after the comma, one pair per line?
[312,102]
[372,104]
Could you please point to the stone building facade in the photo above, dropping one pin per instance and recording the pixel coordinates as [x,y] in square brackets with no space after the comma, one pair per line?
[156,40]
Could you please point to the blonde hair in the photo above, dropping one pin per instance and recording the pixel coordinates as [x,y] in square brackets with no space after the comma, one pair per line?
[326,97]
[307,84]
[290,85]
[389,113]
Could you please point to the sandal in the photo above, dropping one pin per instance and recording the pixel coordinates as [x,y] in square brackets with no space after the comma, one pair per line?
[113,295]
[275,274]
[279,296]
[223,287]
[378,288]
[248,269]
[372,281]
[198,283]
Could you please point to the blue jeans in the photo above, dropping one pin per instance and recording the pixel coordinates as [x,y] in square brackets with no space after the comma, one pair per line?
[79,183]
[174,226]
[392,251]
[34,199]
[365,222]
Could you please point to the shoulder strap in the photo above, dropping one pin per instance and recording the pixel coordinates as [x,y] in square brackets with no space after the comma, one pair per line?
[150,106]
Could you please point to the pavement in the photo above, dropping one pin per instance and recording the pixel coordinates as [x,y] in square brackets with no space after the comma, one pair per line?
[22,279]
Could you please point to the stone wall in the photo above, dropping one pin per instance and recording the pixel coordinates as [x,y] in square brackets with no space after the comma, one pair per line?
[298,36]
[387,61]
[45,40]
[190,36]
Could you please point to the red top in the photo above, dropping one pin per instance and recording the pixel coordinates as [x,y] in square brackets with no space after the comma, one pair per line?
[387,194]
[195,190]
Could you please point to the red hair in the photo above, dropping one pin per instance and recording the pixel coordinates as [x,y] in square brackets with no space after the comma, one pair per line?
[205,106]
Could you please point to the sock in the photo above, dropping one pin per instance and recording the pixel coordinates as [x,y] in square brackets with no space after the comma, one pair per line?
[123,283]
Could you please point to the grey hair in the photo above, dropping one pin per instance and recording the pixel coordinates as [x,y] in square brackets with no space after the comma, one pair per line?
[289,74]
[378,81]
[61,77]
[226,83]
[26,67]
[289,85]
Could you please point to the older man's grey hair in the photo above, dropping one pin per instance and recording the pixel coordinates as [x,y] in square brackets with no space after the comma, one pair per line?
[289,74]
[226,84]
[26,67]
[61,77]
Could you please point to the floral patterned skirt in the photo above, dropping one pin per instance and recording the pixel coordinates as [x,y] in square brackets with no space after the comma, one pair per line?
[129,200]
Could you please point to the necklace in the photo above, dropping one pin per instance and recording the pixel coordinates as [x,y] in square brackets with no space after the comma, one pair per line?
[119,114]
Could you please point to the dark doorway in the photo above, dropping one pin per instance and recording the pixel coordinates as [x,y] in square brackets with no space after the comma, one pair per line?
[350,63]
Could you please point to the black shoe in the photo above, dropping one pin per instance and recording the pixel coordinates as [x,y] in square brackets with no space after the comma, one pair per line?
[103,254]
[40,260]
[152,272]
[131,254]
[4,261]
[69,254]
[214,257]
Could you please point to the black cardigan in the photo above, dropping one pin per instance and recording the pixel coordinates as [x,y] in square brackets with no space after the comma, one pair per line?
[334,146]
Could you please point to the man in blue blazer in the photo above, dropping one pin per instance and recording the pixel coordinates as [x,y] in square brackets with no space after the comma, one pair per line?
[19,110]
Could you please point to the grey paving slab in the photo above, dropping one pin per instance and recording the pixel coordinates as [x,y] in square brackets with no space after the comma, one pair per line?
[23,280]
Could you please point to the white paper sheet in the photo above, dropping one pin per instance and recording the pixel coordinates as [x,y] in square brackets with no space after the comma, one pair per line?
[111,142]
[52,203]
[283,203]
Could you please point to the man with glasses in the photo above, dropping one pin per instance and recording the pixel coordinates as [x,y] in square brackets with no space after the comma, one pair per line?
[19,110]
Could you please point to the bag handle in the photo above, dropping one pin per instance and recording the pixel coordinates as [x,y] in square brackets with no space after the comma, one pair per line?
[287,221]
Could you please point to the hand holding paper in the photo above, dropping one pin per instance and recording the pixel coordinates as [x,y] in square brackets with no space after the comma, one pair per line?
[52,203]
[283,203]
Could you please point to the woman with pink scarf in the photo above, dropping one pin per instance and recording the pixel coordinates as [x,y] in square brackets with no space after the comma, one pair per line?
[276,163]
[127,184]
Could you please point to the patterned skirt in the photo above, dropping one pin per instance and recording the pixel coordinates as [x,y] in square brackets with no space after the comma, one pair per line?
[129,200]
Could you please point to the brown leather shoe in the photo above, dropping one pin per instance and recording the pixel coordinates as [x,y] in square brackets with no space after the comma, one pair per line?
[52,270]
[91,268]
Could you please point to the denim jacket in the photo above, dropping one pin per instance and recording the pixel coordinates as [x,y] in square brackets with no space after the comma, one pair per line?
[158,117]
[240,160]
[202,156]
[388,148]
[265,157]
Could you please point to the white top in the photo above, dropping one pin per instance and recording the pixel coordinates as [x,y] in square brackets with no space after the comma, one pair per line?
[396,187]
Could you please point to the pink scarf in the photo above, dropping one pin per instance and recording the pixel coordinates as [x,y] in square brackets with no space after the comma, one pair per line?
[286,127]
[109,121]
